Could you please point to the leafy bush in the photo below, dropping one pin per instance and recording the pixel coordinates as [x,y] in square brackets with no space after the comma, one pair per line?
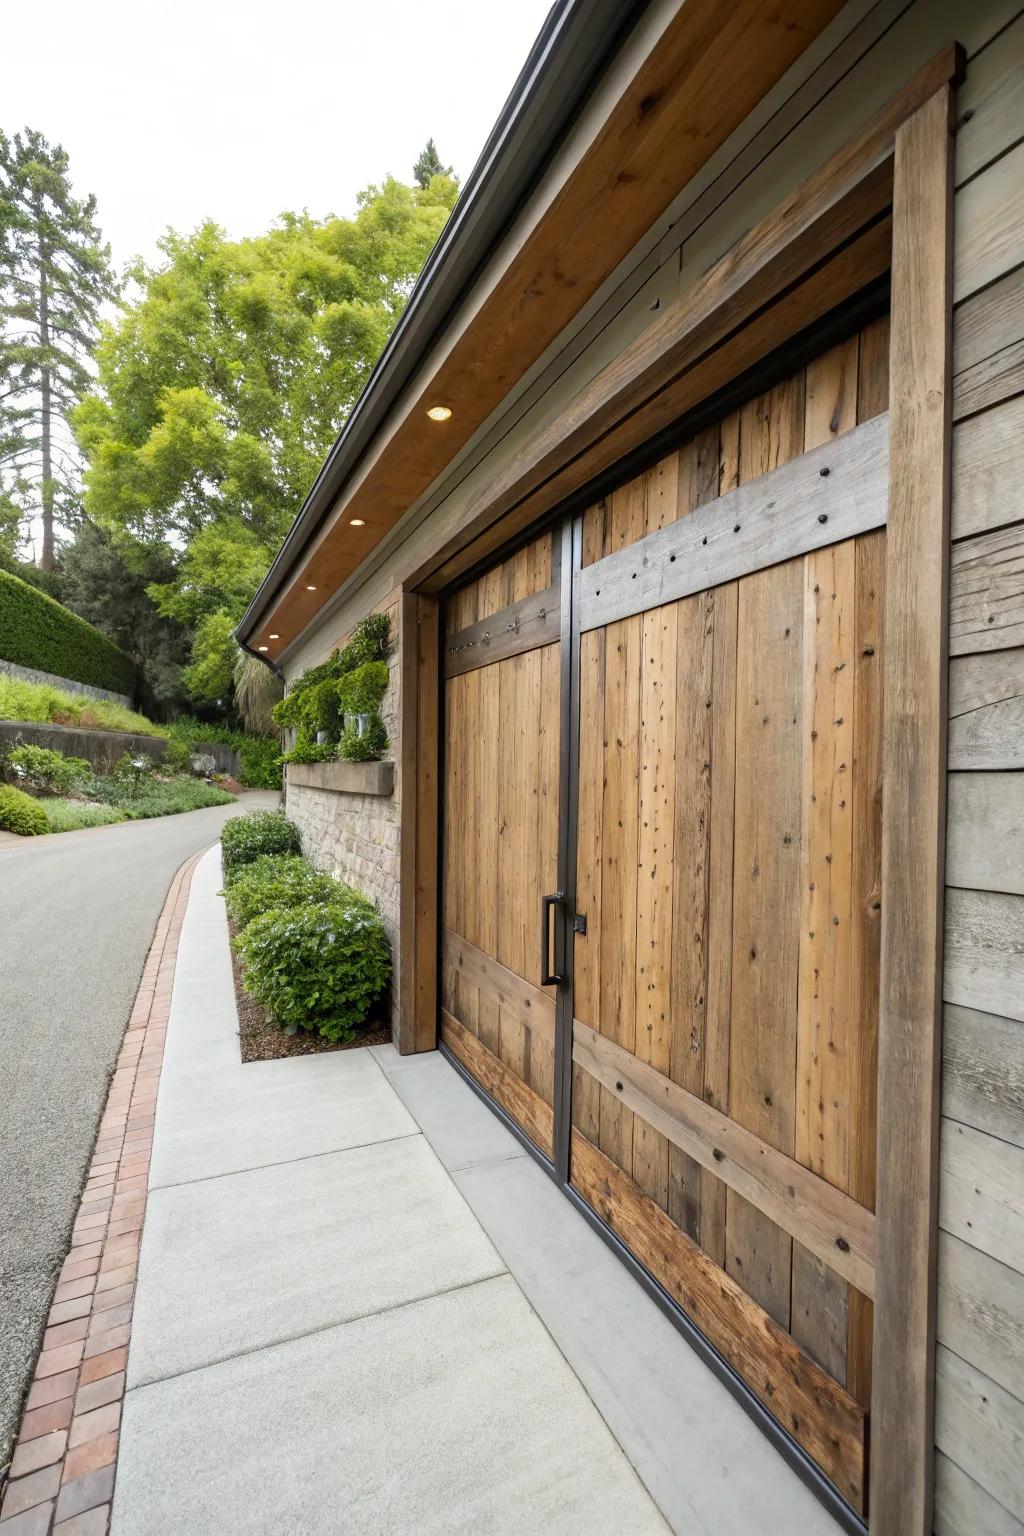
[361,691]
[48,770]
[260,763]
[177,757]
[247,838]
[306,751]
[20,813]
[70,815]
[38,632]
[278,881]
[130,772]
[317,967]
[156,797]
[42,702]
[367,748]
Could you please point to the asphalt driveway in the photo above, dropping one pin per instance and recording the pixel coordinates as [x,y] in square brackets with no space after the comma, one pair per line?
[77,914]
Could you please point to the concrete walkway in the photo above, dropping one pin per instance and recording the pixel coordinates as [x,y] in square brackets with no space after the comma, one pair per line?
[77,912]
[361,1308]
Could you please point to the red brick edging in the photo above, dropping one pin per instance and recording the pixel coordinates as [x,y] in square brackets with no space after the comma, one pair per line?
[65,1456]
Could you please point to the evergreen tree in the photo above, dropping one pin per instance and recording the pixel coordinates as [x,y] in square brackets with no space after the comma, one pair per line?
[429,164]
[54,276]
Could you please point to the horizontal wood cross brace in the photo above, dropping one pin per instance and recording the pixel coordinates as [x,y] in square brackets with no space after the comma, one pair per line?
[826,495]
[522,626]
[531,1007]
[825,1219]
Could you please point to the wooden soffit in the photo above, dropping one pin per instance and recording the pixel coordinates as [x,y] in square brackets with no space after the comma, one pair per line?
[709,68]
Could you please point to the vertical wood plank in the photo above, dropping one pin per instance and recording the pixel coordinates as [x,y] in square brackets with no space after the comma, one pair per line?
[823,996]
[913,758]
[654,979]
[766,904]
[619,867]
[542,1061]
[487,838]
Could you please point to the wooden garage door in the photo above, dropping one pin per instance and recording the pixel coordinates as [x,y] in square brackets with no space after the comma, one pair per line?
[729,838]
[719,1012]
[501,748]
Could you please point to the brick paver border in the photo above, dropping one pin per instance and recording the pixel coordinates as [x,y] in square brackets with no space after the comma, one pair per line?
[62,1474]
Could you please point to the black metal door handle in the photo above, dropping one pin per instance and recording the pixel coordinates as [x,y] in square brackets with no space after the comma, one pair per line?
[548,977]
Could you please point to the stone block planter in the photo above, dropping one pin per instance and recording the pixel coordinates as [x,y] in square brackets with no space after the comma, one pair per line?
[344,778]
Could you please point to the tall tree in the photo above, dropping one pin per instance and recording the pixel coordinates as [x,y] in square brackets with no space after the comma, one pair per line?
[221,388]
[429,164]
[54,276]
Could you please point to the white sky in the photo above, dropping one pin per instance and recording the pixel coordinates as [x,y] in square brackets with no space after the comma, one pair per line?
[240,109]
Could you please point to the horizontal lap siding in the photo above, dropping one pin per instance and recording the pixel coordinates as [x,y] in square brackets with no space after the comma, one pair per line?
[979,1487]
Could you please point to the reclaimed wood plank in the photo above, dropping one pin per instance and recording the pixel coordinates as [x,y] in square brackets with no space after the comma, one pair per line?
[964,1508]
[988,469]
[985,831]
[506,1087]
[826,1030]
[824,1218]
[531,1006]
[766,904]
[986,596]
[542,1054]
[989,216]
[913,753]
[983,1072]
[789,510]
[524,625]
[815,1411]
[987,323]
[981,1192]
[982,1425]
[867,923]
[659,704]
[418,846]
[620,841]
[984,956]
[586,1096]
[981,1311]
[986,711]
[990,103]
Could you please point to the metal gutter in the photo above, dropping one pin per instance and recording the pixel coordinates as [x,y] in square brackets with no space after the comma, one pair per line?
[575,44]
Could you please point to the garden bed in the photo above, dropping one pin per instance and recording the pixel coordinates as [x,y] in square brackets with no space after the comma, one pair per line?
[261,1040]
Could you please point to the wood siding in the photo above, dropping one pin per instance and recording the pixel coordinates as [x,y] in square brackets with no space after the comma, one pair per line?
[979,1485]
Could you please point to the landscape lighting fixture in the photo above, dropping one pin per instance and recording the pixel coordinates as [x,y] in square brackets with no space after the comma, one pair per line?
[439,412]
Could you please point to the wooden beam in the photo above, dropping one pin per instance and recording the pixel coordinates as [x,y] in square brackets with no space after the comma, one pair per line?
[913,837]
[614,411]
[522,626]
[818,1413]
[534,1009]
[418,846]
[823,1218]
[527,1108]
[830,493]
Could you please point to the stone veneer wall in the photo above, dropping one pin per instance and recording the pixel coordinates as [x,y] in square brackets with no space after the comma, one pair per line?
[356,837]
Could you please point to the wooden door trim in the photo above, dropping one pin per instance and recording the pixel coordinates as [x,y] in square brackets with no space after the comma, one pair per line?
[524,625]
[913,833]
[823,496]
[825,1219]
[419,863]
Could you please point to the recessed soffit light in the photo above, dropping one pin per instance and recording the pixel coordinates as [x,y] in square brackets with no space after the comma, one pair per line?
[358,522]
[275,637]
[264,647]
[310,588]
[439,412]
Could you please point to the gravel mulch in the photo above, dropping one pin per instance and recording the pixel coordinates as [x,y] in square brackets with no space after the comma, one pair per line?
[261,1040]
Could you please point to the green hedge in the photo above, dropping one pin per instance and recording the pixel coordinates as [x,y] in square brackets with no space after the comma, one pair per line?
[37,632]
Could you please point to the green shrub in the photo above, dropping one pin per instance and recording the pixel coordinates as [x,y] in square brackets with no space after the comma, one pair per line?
[260,762]
[71,815]
[48,770]
[43,703]
[159,797]
[367,748]
[38,632]
[20,813]
[361,691]
[306,751]
[279,881]
[317,967]
[130,772]
[247,838]
[177,756]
